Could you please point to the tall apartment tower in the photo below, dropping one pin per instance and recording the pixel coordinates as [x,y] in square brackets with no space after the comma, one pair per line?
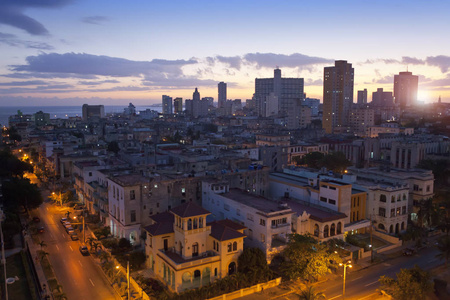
[222,99]
[287,91]
[405,89]
[337,96]
[362,97]
[196,103]
[167,105]
[178,105]
[382,98]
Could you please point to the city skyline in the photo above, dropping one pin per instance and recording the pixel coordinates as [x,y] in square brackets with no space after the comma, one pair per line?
[73,52]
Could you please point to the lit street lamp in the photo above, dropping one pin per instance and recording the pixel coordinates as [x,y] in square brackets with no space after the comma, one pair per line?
[84,229]
[348,264]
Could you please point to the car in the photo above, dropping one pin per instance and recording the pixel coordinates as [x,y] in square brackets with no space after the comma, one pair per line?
[36,219]
[78,207]
[63,220]
[74,236]
[41,229]
[70,230]
[66,224]
[408,251]
[84,249]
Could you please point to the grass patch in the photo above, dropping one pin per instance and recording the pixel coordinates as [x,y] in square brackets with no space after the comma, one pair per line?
[20,289]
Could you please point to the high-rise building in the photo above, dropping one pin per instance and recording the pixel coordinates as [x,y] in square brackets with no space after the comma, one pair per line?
[313,104]
[167,105]
[196,103]
[178,105]
[222,87]
[405,89]
[382,98]
[89,111]
[337,96]
[288,91]
[362,97]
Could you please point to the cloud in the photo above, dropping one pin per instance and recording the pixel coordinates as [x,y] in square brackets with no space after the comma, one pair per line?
[97,82]
[311,82]
[180,82]
[88,64]
[412,61]
[384,80]
[47,75]
[440,61]
[54,88]
[231,61]
[12,13]
[271,60]
[442,82]
[13,41]
[95,20]
[24,83]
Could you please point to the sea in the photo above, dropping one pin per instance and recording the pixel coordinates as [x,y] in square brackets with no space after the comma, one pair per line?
[62,112]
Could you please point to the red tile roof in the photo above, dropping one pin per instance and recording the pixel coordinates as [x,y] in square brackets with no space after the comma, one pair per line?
[221,232]
[189,209]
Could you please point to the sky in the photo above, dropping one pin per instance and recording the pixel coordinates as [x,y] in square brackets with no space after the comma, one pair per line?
[70,52]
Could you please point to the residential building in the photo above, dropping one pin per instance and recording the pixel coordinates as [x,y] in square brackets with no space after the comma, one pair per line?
[186,252]
[178,105]
[405,89]
[359,119]
[167,107]
[92,111]
[362,97]
[222,97]
[382,98]
[313,104]
[337,96]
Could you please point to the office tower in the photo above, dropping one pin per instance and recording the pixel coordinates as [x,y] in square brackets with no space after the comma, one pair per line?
[362,97]
[288,92]
[222,86]
[405,89]
[89,111]
[382,98]
[189,106]
[196,103]
[337,96]
[313,104]
[178,105]
[210,100]
[166,104]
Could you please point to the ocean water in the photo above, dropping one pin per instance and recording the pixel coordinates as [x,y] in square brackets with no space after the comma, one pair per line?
[62,112]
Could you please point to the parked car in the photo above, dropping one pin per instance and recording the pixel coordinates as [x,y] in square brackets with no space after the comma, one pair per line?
[66,224]
[84,249]
[78,207]
[36,219]
[70,230]
[41,230]
[74,236]
[408,251]
[63,220]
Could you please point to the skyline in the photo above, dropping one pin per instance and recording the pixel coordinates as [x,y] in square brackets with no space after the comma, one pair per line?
[111,53]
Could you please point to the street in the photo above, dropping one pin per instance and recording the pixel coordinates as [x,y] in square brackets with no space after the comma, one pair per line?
[79,275]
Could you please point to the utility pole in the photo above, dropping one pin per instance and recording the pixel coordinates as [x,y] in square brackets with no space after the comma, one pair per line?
[348,264]
[3,257]
[371,240]
[128,279]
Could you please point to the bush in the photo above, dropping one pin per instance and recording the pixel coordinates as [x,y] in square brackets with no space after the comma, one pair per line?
[102,232]
[137,259]
[110,243]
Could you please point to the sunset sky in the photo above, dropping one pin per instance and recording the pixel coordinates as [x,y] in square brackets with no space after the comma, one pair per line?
[69,52]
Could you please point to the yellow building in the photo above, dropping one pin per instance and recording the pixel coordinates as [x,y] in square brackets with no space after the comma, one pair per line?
[185,252]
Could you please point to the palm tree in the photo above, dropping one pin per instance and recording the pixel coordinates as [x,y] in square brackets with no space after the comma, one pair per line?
[43,254]
[444,248]
[90,241]
[42,244]
[310,294]
[104,256]
[95,245]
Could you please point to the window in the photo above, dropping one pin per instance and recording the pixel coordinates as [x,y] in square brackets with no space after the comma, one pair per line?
[428,188]
[263,238]
[132,195]
[229,247]
[323,199]
[90,174]
[404,197]
[215,271]
[415,187]
[226,207]
[133,216]
[392,212]
[235,246]
[382,212]
[392,199]
[250,234]
[262,222]
[331,201]
[195,249]
[398,211]
[382,198]
[403,210]
[238,212]
[250,217]
[332,188]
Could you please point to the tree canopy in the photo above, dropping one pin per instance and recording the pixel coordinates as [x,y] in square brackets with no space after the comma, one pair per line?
[411,284]
[333,161]
[20,193]
[11,166]
[113,147]
[306,258]
[253,262]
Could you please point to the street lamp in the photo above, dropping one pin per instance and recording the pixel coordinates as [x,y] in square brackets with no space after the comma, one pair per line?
[60,199]
[348,264]
[84,229]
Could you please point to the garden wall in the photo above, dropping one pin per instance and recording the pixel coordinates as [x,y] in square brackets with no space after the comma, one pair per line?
[248,291]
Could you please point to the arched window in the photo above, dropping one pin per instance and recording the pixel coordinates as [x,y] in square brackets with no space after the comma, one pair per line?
[381,226]
[392,199]
[189,224]
[404,197]
[229,247]
[186,278]
[195,249]
[200,223]
[382,198]
[332,230]
[326,231]
[316,230]
[235,246]
[195,223]
[403,226]
[391,229]
[397,228]
[399,198]
[339,228]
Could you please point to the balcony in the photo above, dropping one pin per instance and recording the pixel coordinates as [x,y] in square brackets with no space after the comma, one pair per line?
[282,225]
[179,262]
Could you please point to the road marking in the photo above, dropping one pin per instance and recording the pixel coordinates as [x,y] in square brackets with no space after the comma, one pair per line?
[91,282]
[63,234]
[57,247]
[70,248]
[386,264]
[51,235]
[371,283]
[335,297]
[46,208]
[80,263]
[356,278]
[433,260]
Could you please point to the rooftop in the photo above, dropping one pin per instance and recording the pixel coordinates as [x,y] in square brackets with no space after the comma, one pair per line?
[160,228]
[129,179]
[189,209]
[224,230]
[317,213]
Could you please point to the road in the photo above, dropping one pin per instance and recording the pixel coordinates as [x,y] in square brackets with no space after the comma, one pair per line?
[364,283]
[79,275]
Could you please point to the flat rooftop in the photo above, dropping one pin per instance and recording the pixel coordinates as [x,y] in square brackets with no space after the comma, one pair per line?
[130,179]
[258,202]
[317,213]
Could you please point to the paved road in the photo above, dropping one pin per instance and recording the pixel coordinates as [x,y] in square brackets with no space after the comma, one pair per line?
[79,275]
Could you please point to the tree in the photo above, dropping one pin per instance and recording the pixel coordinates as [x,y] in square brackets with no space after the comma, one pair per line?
[443,245]
[313,160]
[11,166]
[20,193]
[336,162]
[411,284]
[113,147]
[310,294]
[305,257]
[42,244]
[253,263]
[414,233]
[137,259]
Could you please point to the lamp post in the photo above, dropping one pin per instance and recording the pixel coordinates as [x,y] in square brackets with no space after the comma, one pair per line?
[84,229]
[348,264]
[60,199]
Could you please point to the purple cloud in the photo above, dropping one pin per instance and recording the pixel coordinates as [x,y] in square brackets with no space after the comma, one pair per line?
[95,20]
[13,41]
[440,61]
[271,60]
